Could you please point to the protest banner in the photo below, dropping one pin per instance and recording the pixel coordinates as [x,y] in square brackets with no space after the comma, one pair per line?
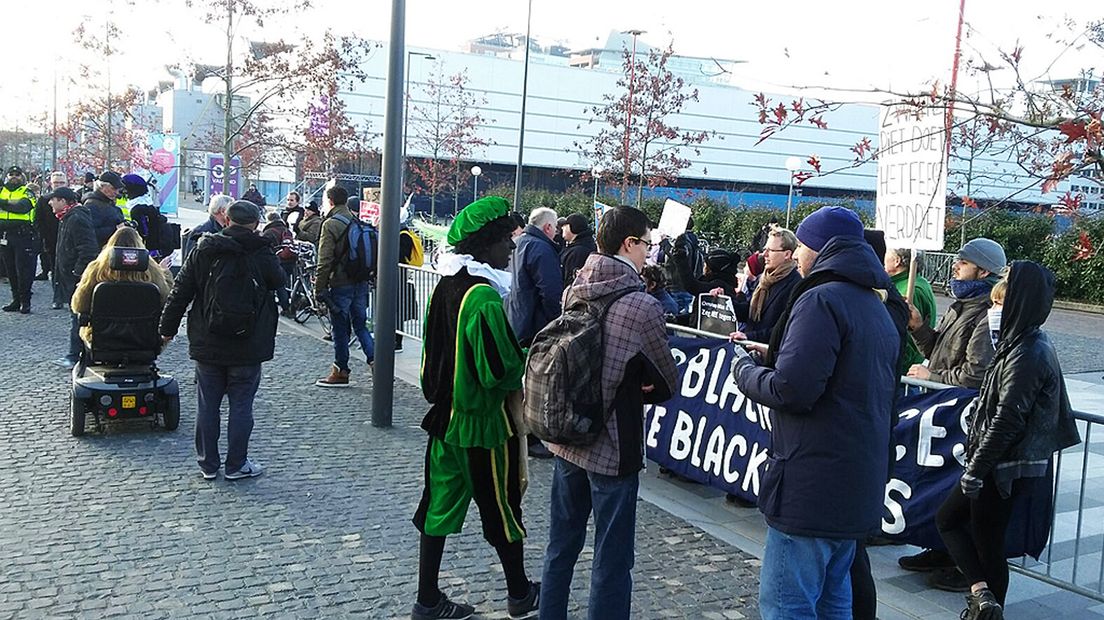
[911,200]
[711,433]
[674,219]
[716,314]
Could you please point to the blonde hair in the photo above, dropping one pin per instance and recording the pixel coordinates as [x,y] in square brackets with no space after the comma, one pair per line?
[1000,289]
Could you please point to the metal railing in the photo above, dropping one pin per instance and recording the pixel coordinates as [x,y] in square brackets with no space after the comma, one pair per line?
[1074,555]
[936,267]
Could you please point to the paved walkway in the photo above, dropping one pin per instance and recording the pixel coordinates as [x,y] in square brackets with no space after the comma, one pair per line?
[121,525]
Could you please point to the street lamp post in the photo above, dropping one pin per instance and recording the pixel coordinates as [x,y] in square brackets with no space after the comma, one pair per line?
[595,172]
[476,171]
[793,164]
[406,112]
[524,96]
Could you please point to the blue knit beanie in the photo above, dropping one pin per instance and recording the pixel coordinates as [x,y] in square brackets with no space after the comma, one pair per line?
[827,222]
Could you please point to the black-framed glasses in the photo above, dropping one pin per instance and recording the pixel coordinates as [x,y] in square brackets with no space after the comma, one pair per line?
[639,240]
[774,250]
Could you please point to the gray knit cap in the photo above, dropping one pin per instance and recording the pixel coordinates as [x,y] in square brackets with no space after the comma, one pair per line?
[985,253]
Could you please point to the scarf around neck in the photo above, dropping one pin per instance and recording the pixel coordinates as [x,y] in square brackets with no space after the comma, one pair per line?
[968,289]
[451,264]
[769,279]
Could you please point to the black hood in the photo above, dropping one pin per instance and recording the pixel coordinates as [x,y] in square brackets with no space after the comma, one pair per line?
[233,240]
[1028,301]
[854,260]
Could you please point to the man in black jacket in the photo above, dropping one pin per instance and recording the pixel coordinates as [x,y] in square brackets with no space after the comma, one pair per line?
[76,247]
[580,245]
[227,365]
[106,215]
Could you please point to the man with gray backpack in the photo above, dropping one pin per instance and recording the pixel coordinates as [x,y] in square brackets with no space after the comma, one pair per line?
[588,376]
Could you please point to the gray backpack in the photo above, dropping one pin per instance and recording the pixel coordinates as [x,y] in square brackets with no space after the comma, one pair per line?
[563,375]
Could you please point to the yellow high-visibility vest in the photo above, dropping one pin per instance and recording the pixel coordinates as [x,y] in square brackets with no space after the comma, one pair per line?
[122,204]
[13,196]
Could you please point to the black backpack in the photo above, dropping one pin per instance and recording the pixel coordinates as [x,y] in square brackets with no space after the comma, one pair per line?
[563,375]
[360,249]
[233,296]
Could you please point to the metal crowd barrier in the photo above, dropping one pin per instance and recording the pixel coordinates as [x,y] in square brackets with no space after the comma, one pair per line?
[1074,556]
[936,267]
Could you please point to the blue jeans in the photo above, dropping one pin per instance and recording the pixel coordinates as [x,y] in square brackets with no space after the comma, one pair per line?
[575,492]
[239,385]
[805,577]
[349,313]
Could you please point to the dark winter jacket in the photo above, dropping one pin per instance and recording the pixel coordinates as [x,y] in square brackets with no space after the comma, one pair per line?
[534,298]
[777,297]
[190,288]
[75,247]
[831,397]
[309,228]
[106,216]
[46,223]
[574,256]
[191,238]
[959,350]
[1023,414]
[255,197]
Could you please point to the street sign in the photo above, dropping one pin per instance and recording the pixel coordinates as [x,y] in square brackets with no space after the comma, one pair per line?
[912,177]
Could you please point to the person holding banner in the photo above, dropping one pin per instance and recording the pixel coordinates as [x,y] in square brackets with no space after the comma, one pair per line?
[829,378]
[1021,418]
[897,261]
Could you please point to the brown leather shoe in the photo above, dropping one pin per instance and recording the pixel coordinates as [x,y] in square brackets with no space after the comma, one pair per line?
[337,378]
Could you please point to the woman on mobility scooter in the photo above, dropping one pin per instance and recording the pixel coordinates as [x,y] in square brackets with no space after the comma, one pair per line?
[119,302]
[99,270]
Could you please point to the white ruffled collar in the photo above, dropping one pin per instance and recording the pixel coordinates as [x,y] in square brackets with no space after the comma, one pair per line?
[451,264]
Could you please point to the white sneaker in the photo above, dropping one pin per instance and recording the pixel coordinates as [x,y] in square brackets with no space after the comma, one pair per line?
[248,470]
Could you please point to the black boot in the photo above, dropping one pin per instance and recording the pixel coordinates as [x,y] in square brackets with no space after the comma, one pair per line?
[12,307]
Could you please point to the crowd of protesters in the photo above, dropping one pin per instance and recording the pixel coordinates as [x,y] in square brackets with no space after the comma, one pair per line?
[823,332]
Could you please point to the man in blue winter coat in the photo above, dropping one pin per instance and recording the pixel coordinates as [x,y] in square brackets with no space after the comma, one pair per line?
[829,378]
[537,285]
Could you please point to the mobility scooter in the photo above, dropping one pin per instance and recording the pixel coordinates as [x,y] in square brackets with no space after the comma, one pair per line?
[117,377]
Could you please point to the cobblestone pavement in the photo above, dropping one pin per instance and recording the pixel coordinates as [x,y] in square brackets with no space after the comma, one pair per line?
[122,525]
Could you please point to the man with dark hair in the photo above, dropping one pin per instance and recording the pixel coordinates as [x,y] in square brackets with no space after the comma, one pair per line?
[580,245]
[829,380]
[227,366]
[75,247]
[346,298]
[604,477]
[18,251]
[471,362]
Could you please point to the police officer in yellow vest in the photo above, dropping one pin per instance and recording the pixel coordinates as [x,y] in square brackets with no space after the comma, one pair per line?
[18,241]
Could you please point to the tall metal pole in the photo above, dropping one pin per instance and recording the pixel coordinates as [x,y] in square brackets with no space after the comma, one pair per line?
[789,200]
[53,160]
[383,384]
[524,96]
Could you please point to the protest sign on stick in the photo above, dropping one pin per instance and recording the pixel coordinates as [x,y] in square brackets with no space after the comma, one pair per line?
[674,219]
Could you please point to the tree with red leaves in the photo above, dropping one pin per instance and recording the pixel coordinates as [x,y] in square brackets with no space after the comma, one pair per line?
[444,129]
[1049,130]
[645,147]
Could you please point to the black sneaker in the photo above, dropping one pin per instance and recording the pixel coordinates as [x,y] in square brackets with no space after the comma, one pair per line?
[527,607]
[25,309]
[949,580]
[982,606]
[538,450]
[12,307]
[444,609]
[927,560]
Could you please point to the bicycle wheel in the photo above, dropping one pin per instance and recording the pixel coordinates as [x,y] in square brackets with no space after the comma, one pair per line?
[324,321]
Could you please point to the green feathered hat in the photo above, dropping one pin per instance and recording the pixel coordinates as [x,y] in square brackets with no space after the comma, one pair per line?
[475,216]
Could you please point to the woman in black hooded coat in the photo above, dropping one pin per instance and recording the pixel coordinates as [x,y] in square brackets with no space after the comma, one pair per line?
[1021,418]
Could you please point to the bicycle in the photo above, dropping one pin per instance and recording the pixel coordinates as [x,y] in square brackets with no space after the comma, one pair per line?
[303,303]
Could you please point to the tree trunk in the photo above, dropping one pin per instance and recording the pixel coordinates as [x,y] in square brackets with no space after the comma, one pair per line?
[643,168]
